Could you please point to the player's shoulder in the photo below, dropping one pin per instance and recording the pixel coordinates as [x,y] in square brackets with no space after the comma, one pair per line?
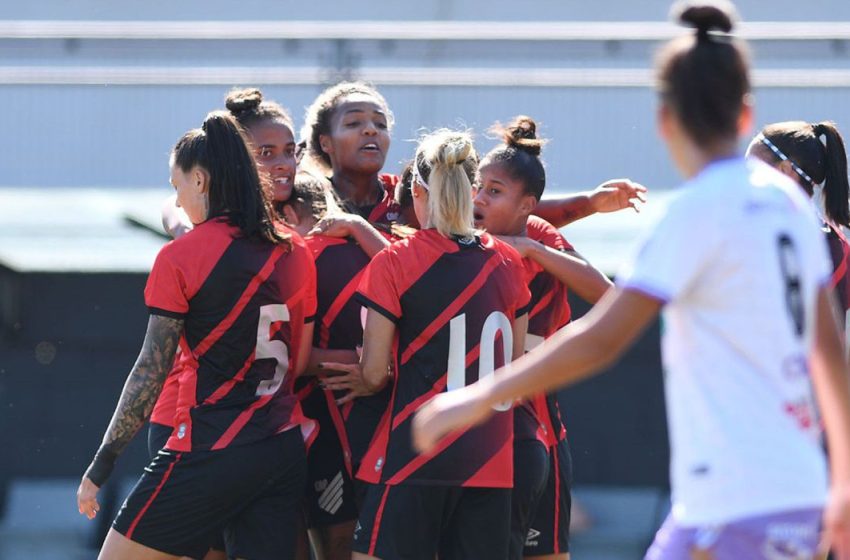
[538,226]
[198,242]
[505,250]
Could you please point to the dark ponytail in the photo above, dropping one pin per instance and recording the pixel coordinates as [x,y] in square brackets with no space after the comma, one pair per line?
[235,188]
[814,161]
[519,153]
[835,187]
[704,78]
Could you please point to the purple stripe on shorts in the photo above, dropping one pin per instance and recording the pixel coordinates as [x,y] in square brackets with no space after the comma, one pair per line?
[790,535]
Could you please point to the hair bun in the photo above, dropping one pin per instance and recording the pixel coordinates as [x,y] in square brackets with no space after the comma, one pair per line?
[242,100]
[521,133]
[705,15]
[455,149]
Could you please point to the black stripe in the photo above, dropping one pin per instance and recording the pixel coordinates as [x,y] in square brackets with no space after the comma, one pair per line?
[366,302]
[166,313]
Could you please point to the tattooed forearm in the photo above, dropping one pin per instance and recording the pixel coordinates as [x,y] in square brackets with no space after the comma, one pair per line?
[144,383]
[564,210]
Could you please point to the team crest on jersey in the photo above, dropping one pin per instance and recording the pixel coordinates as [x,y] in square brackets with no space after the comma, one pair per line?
[392,216]
[379,464]
[181,431]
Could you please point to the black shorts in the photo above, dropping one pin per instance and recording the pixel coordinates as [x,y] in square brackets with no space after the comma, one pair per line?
[329,494]
[158,435]
[531,474]
[415,522]
[252,493]
[549,532]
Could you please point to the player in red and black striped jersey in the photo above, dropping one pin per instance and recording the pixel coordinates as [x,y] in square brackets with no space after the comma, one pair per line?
[512,180]
[347,130]
[448,305]
[236,294]
[345,430]
[814,156]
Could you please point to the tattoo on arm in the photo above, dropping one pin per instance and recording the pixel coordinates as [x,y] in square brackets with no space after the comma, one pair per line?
[145,382]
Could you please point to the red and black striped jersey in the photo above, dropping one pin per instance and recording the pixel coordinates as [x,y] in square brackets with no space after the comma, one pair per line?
[839,251]
[166,405]
[386,211]
[244,303]
[453,302]
[550,310]
[340,264]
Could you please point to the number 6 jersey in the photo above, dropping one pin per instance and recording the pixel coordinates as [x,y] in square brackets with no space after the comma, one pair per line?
[737,259]
[453,303]
[244,303]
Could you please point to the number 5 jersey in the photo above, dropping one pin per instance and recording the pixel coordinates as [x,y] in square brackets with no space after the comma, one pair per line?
[244,303]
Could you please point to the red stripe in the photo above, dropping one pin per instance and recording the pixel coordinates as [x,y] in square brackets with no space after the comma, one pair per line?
[338,423]
[306,390]
[156,492]
[336,307]
[420,460]
[841,271]
[438,387]
[240,422]
[228,385]
[556,540]
[453,308]
[373,541]
[246,296]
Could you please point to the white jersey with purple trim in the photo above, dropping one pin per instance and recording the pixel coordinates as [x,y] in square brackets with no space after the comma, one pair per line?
[738,258]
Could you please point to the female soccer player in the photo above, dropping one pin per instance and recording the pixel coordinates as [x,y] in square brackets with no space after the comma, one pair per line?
[336,453]
[447,304]
[511,182]
[748,327]
[813,156]
[237,295]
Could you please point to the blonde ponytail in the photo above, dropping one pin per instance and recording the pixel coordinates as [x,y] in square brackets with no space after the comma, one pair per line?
[446,160]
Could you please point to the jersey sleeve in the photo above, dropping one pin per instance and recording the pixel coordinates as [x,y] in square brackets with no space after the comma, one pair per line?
[378,289]
[543,232]
[668,261]
[166,288]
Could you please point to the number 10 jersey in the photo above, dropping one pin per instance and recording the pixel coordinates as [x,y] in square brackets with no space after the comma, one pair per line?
[453,302]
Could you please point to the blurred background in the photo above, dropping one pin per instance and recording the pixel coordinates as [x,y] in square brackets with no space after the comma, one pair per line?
[93,95]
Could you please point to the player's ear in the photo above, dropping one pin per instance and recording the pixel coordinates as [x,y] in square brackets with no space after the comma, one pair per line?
[527,204]
[325,144]
[200,179]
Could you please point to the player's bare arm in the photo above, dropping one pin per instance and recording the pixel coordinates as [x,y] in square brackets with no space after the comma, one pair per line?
[574,353]
[137,400]
[569,267]
[372,373]
[354,226]
[829,377]
[610,196]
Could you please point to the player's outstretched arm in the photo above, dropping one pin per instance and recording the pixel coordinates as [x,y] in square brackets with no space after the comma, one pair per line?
[610,196]
[569,267]
[575,352]
[829,377]
[137,400]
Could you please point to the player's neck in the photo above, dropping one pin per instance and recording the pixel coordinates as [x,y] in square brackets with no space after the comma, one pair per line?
[357,189]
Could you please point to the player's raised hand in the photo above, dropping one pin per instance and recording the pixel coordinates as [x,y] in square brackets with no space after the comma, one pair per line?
[618,194]
[350,379]
[445,413]
[87,498]
[836,524]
